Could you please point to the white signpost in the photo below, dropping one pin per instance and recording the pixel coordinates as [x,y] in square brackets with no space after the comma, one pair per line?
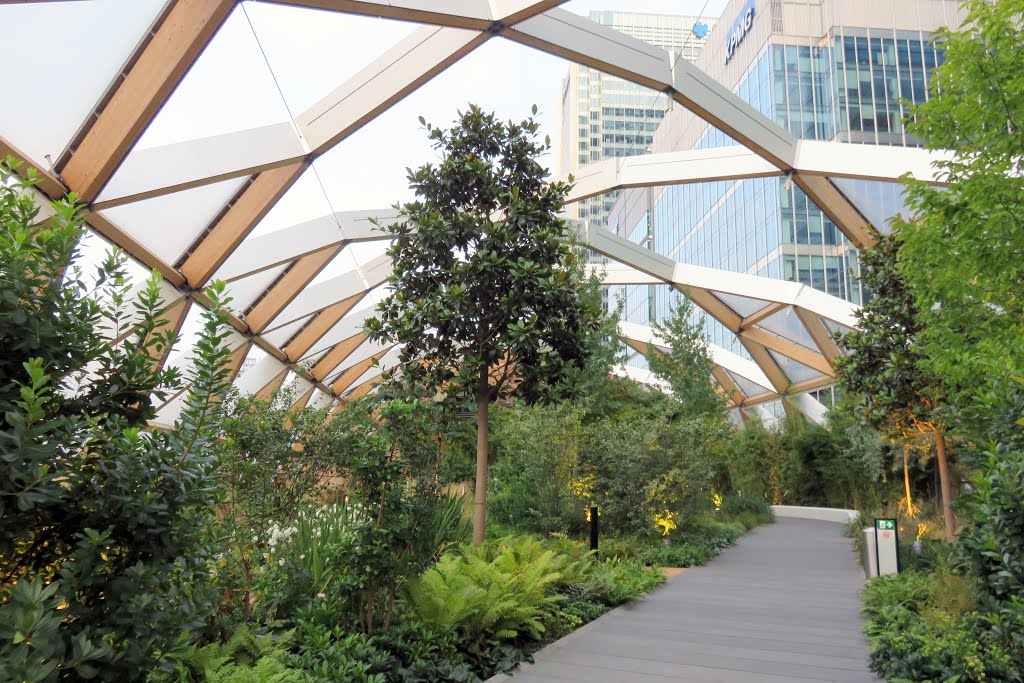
[887,546]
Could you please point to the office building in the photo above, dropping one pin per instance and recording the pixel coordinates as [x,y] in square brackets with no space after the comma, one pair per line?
[604,116]
[829,70]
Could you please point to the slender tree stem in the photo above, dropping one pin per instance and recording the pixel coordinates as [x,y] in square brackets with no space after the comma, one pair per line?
[945,485]
[480,494]
[906,480]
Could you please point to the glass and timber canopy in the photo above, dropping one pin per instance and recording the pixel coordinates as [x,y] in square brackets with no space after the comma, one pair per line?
[245,142]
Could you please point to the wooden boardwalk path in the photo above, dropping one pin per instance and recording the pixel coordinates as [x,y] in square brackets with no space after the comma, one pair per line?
[780,607]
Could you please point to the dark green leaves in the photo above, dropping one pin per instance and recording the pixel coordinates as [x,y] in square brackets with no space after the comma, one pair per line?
[485,271]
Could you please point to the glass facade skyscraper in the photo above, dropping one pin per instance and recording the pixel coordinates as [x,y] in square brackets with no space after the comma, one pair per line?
[822,80]
[604,116]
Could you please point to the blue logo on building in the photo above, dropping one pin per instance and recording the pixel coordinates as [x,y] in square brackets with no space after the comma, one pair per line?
[700,29]
[739,30]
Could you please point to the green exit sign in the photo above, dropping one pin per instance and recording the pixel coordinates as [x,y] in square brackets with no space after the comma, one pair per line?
[885,524]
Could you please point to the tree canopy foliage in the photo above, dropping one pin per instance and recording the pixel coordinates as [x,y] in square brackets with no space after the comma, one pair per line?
[486,288]
[964,243]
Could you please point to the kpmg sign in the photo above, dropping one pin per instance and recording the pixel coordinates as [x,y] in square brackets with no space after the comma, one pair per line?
[739,30]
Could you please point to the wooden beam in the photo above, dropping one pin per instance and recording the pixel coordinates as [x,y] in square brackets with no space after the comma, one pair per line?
[238,221]
[302,400]
[811,384]
[318,326]
[766,312]
[363,389]
[236,359]
[131,246]
[350,375]
[176,44]
[338,353]
[477,17]
[819,333]
[713,305]
[47,182]
[288,286]
[731,389]
[789,349]
[780,383]
[840,210]
[270,387]
[172,318]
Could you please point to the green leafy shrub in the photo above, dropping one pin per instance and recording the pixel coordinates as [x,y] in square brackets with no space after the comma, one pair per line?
[994,542]
[702,541]
[102,562]
[734,506]
[333,655]
[614,582]
[923,627]
[537,459]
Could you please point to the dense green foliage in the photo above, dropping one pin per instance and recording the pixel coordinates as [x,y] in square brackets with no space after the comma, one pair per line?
[644,458]
[685,365]
[485,295]
[926,627]
[959,257]
[484,262]
[520,588]
[102,564]
[972,230]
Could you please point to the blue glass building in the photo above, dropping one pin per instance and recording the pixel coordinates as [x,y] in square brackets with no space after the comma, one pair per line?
[832,70]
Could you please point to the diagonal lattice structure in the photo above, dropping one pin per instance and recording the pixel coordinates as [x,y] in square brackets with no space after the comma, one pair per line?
[205,197]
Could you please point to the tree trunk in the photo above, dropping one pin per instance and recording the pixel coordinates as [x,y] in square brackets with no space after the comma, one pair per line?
[906,480]
[945,485]
[480,494]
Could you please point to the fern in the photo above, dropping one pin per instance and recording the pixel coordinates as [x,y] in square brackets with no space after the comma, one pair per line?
[244,658]
[499,592]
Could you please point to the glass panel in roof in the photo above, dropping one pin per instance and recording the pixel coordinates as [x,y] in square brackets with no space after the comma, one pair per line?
[748,388]
[304,201]
[796,372]
[230,88]
[312,358]
[93,249]
[879,201]
[282,334]
[245,291]
[312,52]
[367,170]
[834,327]
[188,335]
[786,324]
[168,225]
[745,306]
[73,51]
[255,355]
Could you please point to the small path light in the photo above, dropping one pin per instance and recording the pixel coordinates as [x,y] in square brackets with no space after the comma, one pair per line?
[592,515]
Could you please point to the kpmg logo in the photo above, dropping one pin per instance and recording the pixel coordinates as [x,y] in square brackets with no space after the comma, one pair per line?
[739,30]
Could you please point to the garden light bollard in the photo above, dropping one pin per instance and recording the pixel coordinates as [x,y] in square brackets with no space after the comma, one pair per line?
[593,528]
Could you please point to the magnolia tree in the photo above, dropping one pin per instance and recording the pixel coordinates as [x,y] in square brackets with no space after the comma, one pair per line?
[485,293]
